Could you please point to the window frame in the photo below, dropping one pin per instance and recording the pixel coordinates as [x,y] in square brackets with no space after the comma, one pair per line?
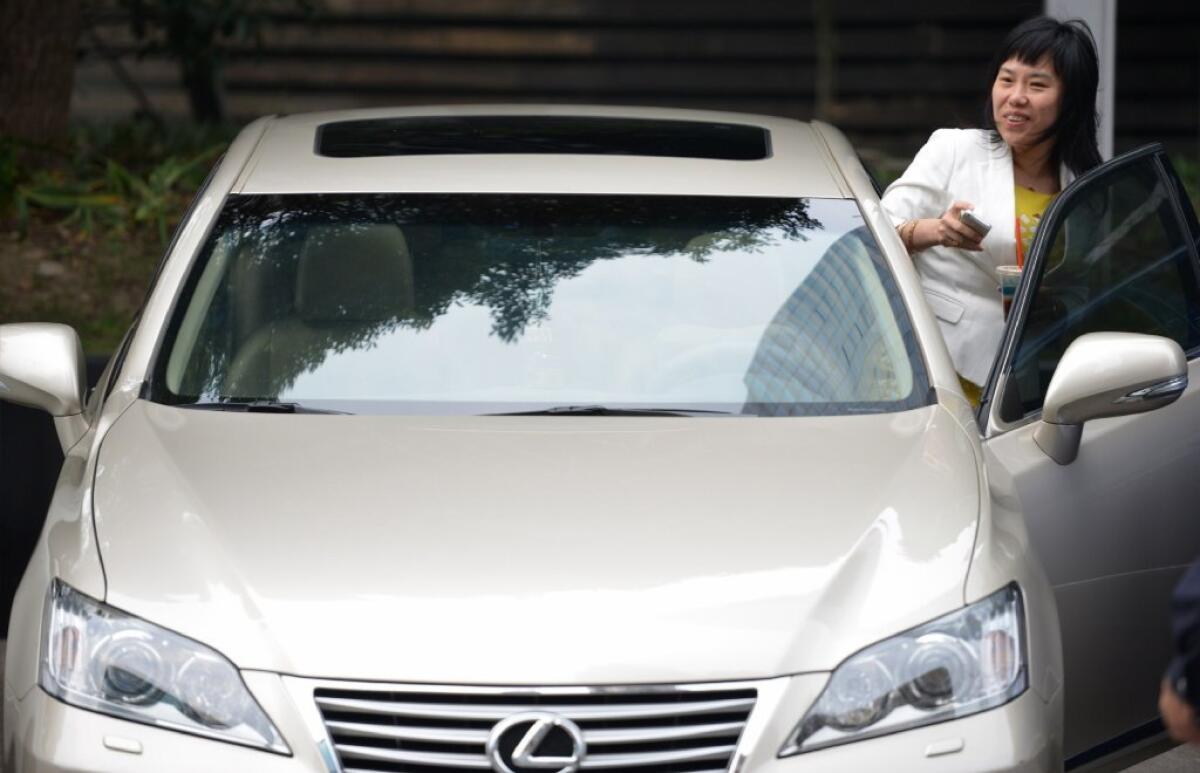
[991,409]
[119,357]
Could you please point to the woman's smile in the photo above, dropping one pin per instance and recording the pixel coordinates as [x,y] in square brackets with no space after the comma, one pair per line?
[1025,101]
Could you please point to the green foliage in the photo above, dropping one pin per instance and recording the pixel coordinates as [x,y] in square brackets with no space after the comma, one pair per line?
[82,201]
[141,145]
[118,179]
[82,228]
[157,197]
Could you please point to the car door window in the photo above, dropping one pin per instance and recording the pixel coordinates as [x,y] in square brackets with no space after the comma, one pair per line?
[1115,257]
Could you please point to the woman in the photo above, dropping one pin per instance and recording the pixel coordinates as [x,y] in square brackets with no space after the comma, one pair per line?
[1039,134]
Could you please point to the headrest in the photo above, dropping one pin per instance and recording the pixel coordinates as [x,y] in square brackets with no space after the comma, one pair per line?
[354,273]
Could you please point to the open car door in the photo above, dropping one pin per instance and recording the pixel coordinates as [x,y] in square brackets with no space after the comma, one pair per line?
[1116,518]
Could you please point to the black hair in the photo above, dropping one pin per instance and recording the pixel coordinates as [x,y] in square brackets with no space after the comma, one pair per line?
[1072,49]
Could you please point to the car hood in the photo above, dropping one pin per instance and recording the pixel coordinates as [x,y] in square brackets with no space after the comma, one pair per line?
[535,550]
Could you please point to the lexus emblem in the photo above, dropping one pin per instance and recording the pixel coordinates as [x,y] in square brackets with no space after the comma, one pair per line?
[536,741]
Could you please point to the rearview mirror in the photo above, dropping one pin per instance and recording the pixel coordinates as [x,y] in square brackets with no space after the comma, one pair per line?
[42,366]
[1107,374]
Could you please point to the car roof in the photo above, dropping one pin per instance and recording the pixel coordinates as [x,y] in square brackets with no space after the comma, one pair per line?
[292,157]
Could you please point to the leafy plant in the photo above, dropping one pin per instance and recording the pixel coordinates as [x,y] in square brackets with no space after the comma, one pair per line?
[120,178]
[83,226]
[161,195]
[83,201]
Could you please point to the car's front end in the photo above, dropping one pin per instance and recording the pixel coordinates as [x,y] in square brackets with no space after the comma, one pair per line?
[706,596]
[579,471]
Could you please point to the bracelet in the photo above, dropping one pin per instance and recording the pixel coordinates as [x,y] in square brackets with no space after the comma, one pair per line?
[905,231]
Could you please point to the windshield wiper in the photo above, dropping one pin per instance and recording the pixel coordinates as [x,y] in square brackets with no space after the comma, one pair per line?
[258,406]
[601,410]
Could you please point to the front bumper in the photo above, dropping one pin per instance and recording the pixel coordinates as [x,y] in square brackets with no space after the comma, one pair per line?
[48,736]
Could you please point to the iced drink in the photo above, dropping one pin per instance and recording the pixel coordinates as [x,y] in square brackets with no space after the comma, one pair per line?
[1010,279]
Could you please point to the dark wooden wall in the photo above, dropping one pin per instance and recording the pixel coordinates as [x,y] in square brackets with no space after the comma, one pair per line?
[887,72]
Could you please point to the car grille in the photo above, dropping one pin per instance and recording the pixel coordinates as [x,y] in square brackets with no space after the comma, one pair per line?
[630,730]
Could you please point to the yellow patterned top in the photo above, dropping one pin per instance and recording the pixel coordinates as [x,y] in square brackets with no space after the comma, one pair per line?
[1030,206]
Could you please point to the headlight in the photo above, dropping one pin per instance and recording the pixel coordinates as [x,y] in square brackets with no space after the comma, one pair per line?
[98,658]
[963,663]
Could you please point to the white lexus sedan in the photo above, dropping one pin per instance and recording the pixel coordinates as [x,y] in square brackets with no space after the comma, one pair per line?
[556,439]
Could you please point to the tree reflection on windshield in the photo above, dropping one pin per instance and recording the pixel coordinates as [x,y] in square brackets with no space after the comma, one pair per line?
[297,279]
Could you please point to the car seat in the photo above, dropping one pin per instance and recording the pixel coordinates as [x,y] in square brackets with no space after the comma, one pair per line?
[352,283]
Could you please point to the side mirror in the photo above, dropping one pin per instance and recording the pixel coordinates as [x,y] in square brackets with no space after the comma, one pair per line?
[42,366]
[1107,374]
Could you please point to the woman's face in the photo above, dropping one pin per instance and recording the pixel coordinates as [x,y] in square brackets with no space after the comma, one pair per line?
[1025,101]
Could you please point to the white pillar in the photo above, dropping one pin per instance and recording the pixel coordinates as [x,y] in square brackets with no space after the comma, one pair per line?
[1101,16]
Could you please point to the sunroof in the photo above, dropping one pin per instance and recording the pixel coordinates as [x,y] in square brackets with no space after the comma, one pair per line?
[441,135]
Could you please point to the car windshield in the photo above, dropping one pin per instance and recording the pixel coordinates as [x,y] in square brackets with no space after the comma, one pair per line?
[587,304]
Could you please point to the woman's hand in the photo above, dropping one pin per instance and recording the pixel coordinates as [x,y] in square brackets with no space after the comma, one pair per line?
[946,231]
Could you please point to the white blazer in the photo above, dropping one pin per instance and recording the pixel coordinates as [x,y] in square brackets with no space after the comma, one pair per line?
[962,287]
